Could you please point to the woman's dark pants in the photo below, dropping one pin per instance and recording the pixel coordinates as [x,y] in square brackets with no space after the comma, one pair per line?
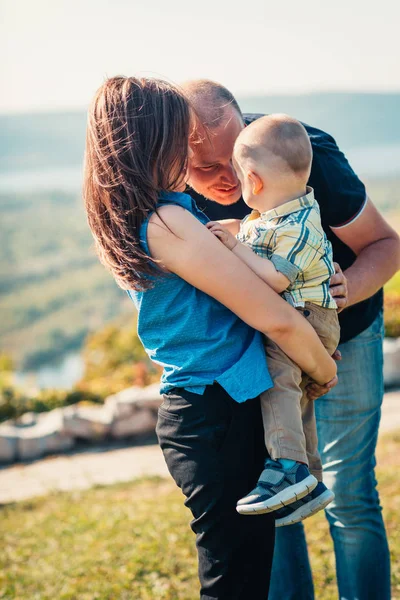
[214,450]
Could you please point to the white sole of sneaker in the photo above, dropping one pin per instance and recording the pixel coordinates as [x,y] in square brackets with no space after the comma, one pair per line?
[307,510]
[283,498]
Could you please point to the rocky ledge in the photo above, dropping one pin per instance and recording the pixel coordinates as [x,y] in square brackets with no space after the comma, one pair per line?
[130,413]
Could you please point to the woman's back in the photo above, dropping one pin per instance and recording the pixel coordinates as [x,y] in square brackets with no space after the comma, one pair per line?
[193,336]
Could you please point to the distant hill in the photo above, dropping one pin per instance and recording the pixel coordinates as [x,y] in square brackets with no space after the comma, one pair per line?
[38,141]
[53,289]
[357,121]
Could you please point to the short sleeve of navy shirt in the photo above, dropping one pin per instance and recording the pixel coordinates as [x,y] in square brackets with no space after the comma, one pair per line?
[341,197]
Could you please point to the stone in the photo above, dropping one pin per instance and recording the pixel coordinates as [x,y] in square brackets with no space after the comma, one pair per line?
[142,421]
[44,437]
[8,443]
[391,364]
[129,401]
[128,413]
[27,419]
[88,422]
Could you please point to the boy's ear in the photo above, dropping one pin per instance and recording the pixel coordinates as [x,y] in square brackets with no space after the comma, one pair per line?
[256,182]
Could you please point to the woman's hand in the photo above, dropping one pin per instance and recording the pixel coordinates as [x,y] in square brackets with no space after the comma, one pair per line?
[314,390]
[222,234]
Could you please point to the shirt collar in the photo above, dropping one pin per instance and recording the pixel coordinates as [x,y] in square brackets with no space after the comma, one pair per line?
[180,198]
[306,201]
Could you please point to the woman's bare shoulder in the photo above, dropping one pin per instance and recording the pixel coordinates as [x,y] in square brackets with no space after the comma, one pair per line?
[172,220]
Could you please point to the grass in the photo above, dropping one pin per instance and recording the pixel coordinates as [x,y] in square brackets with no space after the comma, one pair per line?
[132,541]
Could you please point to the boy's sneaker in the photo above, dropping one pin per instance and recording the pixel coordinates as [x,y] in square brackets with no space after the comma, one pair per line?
[307,506]
[277,487]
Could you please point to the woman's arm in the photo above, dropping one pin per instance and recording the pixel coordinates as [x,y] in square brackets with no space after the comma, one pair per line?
[185,247]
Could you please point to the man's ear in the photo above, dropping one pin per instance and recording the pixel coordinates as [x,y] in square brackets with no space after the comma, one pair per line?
[256,182]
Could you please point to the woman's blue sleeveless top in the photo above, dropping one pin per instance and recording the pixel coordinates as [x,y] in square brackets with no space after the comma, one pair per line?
[196,339]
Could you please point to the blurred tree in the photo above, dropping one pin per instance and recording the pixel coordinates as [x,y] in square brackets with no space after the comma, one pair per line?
[392,314]
[6,370]
[115,359]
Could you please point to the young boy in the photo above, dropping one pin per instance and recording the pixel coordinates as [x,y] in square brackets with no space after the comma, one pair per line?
[283,242]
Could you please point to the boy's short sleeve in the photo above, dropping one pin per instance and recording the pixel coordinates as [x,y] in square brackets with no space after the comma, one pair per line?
[339,192]
[294,249]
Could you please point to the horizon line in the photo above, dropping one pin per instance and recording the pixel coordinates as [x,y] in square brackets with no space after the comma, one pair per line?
[240,96]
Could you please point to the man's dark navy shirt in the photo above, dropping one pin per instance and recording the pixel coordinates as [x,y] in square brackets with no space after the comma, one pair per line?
[341,196]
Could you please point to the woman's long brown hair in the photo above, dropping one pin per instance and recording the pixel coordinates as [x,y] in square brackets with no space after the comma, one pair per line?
[136,146]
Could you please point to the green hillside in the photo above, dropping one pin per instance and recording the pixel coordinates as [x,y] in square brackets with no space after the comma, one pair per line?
[53,290]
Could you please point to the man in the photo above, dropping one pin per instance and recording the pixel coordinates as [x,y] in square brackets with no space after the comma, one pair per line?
[348,416]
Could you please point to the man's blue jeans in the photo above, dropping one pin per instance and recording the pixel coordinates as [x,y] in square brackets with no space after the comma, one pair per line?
[347,422]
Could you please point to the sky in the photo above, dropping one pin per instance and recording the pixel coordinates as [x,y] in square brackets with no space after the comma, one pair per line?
[56,53]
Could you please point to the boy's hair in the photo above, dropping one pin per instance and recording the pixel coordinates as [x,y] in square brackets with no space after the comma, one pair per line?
[210,100]
[280,136]
[136,146]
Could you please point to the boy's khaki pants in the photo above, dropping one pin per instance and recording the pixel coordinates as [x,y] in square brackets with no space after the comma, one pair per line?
[288,415]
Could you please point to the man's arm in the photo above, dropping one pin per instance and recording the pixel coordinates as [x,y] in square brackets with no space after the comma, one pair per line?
[352,217]
[377,247]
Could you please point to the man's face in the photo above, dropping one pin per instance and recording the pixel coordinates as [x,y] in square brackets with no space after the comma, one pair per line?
[211,172]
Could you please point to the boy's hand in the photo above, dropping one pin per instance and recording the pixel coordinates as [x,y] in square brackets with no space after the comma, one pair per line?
[222,234]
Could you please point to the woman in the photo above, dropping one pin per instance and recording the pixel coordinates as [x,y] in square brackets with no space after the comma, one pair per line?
[194,321]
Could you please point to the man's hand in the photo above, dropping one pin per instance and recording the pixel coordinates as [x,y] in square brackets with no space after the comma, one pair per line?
[314,390]
[338,288]
[222,234]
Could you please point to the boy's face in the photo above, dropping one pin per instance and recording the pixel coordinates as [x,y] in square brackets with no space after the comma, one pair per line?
[211,172]
[244,181]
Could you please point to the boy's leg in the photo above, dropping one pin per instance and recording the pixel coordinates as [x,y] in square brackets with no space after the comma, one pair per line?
[326,324]
[285,479]
[280,407]
[310,433]
[214,450]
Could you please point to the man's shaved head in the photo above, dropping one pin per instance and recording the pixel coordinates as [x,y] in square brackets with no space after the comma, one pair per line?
[212,101]
[219,121]
[279,140]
